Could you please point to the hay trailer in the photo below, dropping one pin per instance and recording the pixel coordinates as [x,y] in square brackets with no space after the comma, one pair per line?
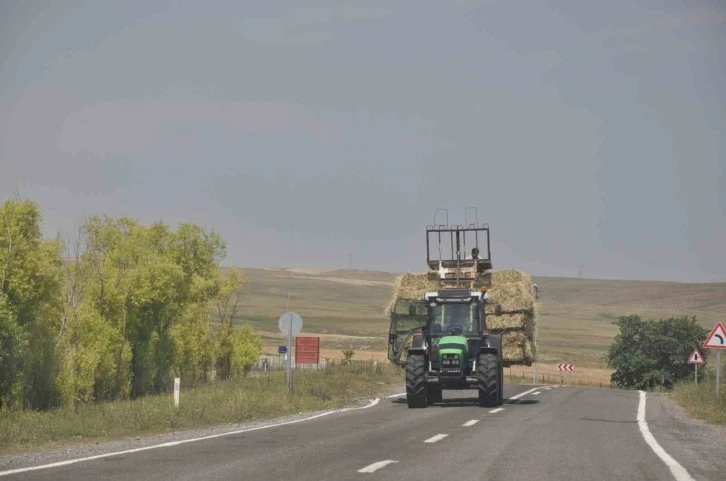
[451,346]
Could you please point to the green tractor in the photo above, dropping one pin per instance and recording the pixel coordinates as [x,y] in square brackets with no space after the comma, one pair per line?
[451,346]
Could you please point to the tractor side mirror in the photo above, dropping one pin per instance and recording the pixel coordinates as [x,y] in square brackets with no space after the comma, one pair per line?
[497,309]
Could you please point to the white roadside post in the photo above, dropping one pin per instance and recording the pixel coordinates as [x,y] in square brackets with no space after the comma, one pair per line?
[177,383]
[717,340]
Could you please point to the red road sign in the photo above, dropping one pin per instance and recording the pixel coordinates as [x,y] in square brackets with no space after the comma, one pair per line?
[695,358]
[566,367]
[307,350]
[717,338]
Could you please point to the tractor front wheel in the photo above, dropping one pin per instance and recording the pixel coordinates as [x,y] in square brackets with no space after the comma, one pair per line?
[415,381]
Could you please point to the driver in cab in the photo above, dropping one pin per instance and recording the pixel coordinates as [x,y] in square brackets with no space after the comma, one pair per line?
[456,319]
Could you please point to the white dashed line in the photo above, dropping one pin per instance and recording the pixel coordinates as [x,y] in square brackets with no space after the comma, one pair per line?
[372,468]
[536,393]
[494,411]
[396,395]
[678,471]
[436,438]
[470,423]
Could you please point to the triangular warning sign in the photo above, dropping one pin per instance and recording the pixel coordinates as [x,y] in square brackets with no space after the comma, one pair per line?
[695,358]
[717,338]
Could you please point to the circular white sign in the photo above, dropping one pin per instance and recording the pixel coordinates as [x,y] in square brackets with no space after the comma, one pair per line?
[290,318]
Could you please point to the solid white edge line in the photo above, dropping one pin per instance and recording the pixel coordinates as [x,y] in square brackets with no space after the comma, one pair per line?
[536,393]
[470,423]
[396,395]
[372,468]
[436,438]
[184,441]
[497,410]
[678,471]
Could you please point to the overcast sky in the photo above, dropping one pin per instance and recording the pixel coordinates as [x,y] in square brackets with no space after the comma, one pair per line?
[587,133]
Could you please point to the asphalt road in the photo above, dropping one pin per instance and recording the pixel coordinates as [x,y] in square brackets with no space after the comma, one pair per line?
[544,433]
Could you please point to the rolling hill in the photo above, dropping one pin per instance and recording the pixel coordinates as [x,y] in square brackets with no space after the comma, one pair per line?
[345,308]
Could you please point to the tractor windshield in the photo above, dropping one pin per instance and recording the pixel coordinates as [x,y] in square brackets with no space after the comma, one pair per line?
[460,317]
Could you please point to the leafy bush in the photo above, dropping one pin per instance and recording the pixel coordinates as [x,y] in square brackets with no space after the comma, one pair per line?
[651,353]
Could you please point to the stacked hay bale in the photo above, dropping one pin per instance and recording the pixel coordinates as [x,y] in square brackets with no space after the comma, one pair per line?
[513,289]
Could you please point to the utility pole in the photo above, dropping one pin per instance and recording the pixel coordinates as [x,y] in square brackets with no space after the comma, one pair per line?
[350,262]
[581,267]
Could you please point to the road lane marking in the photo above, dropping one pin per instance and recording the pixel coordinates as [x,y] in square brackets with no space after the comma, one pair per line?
[494,411]
[396,395]
[678,471]
[183,441]
[536,393]
[517,396]
[470,423]
[372,468]
[436,438]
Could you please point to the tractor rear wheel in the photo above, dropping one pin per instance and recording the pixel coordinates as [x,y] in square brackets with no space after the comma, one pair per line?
[415,381]
[487,373]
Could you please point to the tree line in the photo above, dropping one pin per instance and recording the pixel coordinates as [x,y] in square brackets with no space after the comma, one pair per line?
[115,312]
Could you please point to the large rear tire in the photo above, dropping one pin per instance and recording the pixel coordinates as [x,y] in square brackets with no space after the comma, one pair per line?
[415,381]
[495,341]
[501,382]
[487,373]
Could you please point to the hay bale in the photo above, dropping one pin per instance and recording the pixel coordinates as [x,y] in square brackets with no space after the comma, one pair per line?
[517,347]
[508,321]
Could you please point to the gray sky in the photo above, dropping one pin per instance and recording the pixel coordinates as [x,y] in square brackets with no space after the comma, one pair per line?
[585,132]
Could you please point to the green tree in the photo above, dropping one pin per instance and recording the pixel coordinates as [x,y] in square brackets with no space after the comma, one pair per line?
[116,312]
[30,285]
[237,350]
[652,353]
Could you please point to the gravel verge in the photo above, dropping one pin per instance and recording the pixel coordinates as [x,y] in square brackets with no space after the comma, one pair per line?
[73,449]
[698,446]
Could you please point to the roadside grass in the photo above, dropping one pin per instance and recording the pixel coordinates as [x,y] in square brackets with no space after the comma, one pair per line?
[699,400]
[255,397]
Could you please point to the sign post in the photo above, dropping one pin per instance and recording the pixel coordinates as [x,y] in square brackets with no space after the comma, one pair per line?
[696,359]
[717,340]
[290,323]
[565,367]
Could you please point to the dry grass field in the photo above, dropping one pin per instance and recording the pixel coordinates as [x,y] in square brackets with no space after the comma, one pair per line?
[345,308]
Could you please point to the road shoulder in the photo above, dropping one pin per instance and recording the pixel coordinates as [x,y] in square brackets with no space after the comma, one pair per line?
[79,449]
[699,447]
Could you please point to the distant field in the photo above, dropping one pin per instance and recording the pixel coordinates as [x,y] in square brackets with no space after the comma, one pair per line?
[346,308]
